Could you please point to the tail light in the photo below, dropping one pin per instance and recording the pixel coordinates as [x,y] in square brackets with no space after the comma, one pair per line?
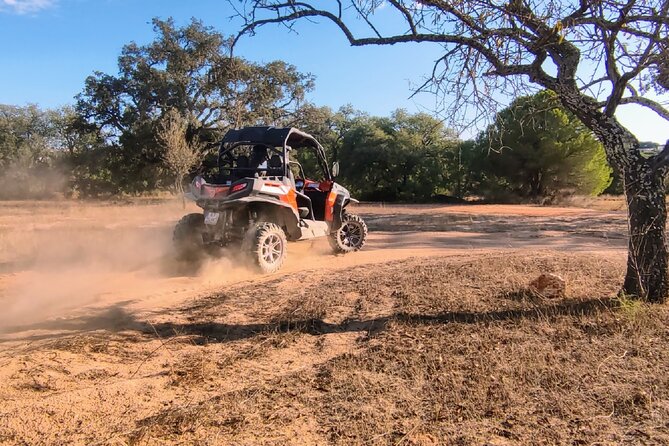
[238,187]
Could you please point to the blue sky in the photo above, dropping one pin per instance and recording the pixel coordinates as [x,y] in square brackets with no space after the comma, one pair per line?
[48,47]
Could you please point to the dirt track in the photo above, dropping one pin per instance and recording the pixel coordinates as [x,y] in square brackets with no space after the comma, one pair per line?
[55,258]
[102,340]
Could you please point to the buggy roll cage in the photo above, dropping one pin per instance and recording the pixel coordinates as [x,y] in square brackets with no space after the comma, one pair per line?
[287,138]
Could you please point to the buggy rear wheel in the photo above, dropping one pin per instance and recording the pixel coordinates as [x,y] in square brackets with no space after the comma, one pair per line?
[266,244]
[351,235]
[187,237]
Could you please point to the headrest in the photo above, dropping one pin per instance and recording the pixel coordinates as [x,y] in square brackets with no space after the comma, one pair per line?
[243,161]
[275,162]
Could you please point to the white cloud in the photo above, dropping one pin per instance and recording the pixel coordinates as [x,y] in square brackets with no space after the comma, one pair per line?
[25,6]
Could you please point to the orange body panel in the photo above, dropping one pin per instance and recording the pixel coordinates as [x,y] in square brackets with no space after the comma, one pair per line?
[290,198]
[329,206]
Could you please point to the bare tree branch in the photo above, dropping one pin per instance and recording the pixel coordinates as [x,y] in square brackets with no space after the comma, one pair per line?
[489,48]
[648,103]
[407,15]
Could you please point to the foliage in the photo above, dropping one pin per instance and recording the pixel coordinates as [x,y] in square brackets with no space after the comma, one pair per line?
[188,69]
[466,169]
[26,134]
[403,157]
[535,148]
[94,172]
[30,144]
[328,127]
[180,154]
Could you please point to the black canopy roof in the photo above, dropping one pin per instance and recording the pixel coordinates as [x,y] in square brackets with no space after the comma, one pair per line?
[271,136]
[275,137]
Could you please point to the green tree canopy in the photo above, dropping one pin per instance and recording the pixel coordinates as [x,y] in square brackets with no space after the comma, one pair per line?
[27,135]
[403,157]
[536,148]
[188,69]
[328,127]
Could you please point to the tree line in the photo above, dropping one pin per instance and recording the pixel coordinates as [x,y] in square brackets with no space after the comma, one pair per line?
[185,90]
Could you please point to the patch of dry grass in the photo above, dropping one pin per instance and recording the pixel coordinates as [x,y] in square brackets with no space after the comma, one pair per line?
[444,350]
[461,361]
[600,203]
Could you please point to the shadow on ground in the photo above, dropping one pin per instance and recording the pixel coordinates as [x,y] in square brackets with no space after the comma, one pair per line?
[117,320]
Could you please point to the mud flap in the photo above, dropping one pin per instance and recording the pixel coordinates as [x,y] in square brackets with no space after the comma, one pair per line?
[338,211]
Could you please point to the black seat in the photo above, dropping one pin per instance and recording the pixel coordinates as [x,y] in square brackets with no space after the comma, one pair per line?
[258,156]
[275,166]
[318,199]
[242,168]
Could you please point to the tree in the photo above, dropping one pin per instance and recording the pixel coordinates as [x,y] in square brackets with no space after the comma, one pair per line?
[539,149]
[188,69]
[30,152]
[47,151]
[465,165]
[402,157]
[25,134]
[596,55]
[327,126]
[181,155]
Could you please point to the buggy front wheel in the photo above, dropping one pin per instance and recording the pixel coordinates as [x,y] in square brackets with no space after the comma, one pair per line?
[350,236]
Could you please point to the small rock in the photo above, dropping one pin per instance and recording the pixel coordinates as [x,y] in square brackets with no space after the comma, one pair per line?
[549,286]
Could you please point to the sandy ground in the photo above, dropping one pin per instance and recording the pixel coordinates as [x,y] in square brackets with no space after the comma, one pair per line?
[100,330]
[59,258]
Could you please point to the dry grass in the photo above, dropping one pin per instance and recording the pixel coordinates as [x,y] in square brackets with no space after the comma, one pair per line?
[601,203]
[461,361]
[431,351]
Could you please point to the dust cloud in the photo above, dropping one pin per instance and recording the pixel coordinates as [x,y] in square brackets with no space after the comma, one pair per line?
[21,180]
[62,260]
[56,262]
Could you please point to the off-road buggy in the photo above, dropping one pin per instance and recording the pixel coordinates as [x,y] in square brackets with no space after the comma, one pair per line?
[261,199]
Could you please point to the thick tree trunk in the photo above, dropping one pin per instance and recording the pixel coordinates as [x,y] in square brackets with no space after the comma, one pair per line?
[647,274]
[647,262]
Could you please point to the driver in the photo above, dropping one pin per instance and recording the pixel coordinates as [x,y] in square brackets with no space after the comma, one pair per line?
[259,155]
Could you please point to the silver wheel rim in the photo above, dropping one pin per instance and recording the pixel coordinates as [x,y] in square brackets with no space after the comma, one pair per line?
[272,248]
[350,235]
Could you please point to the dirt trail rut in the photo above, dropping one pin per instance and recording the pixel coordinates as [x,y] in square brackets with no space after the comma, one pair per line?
[64,260]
